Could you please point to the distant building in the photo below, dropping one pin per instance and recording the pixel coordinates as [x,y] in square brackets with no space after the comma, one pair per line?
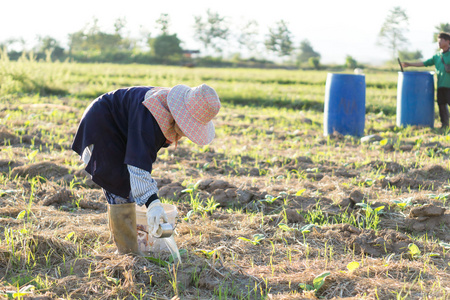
[189,53]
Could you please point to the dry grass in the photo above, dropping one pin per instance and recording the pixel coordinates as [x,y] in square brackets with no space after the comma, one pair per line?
[266,168]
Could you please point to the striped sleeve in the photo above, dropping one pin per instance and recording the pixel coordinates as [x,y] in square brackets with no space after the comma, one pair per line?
[143,186]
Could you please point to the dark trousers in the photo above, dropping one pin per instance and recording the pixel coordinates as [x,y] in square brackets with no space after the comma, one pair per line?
[443,100]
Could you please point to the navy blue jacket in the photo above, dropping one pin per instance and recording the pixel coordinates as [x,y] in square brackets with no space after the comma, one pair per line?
[123,132]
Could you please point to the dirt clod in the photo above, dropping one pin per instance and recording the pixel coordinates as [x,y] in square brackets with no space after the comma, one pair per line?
[60,197]
[435,224]
[356,196]
[45,169]
[171,191]
[293,216]
[428,210]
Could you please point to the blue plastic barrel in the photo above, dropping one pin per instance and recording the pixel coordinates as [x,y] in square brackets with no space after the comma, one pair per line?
[415,99]
[345,104]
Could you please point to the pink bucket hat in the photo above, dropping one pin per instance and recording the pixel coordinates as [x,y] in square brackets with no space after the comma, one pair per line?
[193,110]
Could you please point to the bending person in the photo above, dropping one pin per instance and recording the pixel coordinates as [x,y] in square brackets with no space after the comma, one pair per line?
[119,136]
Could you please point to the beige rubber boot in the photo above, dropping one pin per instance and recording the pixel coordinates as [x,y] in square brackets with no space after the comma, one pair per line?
[122,223]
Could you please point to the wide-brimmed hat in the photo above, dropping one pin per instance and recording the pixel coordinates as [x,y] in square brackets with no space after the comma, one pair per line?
[193,110]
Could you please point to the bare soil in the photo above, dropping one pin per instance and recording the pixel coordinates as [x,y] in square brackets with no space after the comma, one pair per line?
[67,238]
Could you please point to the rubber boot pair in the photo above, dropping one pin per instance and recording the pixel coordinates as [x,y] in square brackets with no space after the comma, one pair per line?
[122,224]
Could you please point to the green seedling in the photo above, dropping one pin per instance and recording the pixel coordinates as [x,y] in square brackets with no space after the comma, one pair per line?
[190,189]
[188,215]
[269,199]
[440,197]
[402,203]
[372,216]
[21,215]
[383,142]
[352,266]
[198,206]
[306,228]
[26,290]
[159,262]
[211,205]
[445,245]
[317,283]
[285,227]
[70,235]
[116,281]
[207,253]
[32,155]
[300,192]
[414,251]
[369,182]
[163,263]
[257,238]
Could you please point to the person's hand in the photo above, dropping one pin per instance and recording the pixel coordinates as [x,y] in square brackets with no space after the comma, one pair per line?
[405,64]
[155,213]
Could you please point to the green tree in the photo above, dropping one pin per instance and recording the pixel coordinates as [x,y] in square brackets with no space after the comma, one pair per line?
[306,51]
[247,36]
[165,46]
[314,62]
[119,25]
[350,62]
[445,27]
[15,47]
[164,23]
[15,43]
[409,55]
[213,32]
[392,32]
[48,45]
[279,39]
[92,40]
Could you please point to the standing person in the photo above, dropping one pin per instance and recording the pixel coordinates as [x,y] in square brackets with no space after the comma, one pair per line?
[443,77]
[119,136]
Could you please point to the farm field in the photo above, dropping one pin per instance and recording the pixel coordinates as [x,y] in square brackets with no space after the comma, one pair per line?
[271,209]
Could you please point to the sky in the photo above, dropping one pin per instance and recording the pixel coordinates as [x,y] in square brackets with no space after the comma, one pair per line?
[334,28]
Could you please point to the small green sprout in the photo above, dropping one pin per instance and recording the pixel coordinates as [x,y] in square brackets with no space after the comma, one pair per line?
[306,228]
[69,236]
[207,253]
[402,203]
[383,142]
[269,199]
[300,192]
[285,227]
[445,245]
[21,215]
[116,281]
[414,251]
[257,238]
[353,266]
[32,155]
[317,283]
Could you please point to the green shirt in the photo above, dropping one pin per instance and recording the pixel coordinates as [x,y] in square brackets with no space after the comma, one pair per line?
[443,78]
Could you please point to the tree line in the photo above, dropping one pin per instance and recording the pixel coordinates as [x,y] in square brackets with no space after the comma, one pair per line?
[214,33]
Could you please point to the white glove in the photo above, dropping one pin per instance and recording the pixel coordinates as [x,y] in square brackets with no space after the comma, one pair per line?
[155,213]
